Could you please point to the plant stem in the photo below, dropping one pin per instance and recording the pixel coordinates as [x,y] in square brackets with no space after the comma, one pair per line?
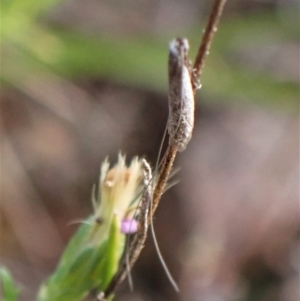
[166,168]
[171,152]
[209,32]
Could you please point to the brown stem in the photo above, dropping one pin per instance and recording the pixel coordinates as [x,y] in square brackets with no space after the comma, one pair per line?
[171,152]
[210,30]
[163,175]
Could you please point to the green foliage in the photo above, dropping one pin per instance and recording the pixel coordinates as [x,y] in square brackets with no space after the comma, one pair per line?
[31,48]
[230,72]
[92,257]
[84,266]
[9,289]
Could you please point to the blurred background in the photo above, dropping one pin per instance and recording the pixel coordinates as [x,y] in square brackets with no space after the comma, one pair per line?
[81,80]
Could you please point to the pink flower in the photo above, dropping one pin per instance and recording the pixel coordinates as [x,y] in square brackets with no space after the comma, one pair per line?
[129,226]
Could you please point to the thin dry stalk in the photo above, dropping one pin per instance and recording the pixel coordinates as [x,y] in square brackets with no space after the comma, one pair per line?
[171,151]
[170,154]
[209,32]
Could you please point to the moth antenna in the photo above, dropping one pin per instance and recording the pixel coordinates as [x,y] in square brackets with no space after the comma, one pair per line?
[156,245]
[157,249]
[174,172]
[159,160]
[171,184]
[160,257]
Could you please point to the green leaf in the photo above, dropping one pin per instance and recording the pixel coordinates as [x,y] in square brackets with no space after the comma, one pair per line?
[9,289]
[114,250]
[33,48]
[85,266]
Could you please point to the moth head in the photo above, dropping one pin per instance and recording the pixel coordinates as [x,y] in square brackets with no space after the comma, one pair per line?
[179,47]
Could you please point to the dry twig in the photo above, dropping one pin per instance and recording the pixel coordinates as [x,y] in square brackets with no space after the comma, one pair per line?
[173,148]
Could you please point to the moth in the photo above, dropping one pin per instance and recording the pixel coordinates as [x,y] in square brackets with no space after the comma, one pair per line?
[181,95]
[180,126]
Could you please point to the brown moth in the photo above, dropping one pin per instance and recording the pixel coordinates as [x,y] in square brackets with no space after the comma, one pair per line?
[181,95]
